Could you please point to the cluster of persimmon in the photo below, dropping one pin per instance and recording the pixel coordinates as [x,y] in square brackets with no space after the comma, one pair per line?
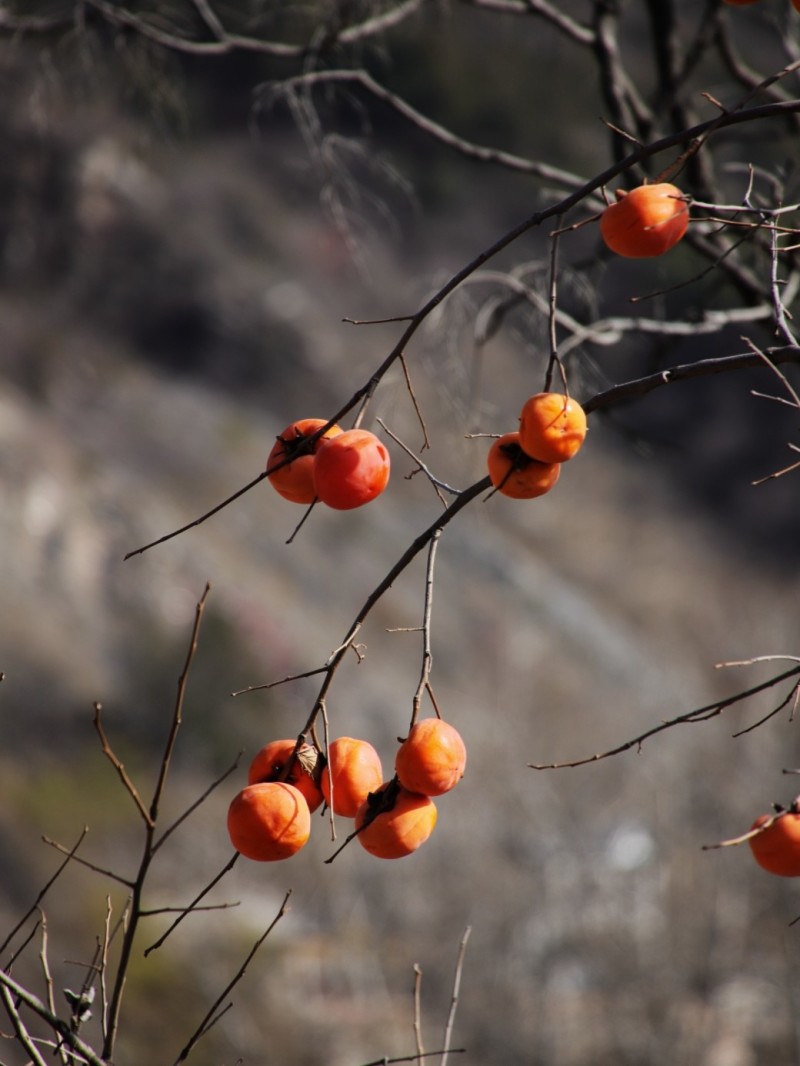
[646,221]
[342,468]
[526,463]
[776,843]
[270,819]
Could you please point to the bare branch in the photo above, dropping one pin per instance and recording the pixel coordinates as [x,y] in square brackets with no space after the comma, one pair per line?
[701,714]
[448,1029]
[210,1018]
[70,854]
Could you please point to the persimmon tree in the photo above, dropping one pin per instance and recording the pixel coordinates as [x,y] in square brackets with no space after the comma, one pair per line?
[692,106]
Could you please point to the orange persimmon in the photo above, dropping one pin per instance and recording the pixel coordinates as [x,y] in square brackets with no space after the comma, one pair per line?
[269,821]
[393,822]
[552,427]
[645,222]
[355,768]
[295,480]
[796,5]
[432,758]
[269,763]
[351,469]
[514,473]
[777,848]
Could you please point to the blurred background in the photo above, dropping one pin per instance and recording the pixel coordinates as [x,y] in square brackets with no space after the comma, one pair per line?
[178,254]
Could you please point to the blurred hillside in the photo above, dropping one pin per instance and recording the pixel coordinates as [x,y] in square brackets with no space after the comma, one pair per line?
[170,298]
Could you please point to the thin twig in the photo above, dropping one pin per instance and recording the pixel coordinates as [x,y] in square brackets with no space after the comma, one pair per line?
[209,1018]
[70,854]
[193,905]
[418,1011]
[119,766]
[427,654]
[451,1016]
[701,714]
[177,716]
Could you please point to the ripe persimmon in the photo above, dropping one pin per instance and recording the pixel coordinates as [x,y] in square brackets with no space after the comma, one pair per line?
[355,768]
[295,480]
[269,821]
[796,5]
[552,427]
[432,758]
[270,762]
[351,469]
[777,848]
[393,822]
[645,222]
[515,473]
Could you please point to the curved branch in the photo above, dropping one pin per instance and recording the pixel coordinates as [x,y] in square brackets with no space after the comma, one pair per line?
[641,386]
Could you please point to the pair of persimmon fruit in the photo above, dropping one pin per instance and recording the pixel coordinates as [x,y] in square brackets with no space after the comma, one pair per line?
[270,819]
[313,460]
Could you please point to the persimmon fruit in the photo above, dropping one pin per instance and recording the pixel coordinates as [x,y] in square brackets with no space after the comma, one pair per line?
[552,427]
[432,758]
[514,473]
[269,764]
[295,480]
[777,848]
[269,821]
[645,222]
[796,5]
[351,469]
[354,766]
[398,830]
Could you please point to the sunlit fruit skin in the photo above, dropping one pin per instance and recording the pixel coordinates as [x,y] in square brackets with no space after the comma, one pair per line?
[514,473]
[432,758]
[777,849]
[552,427]
[351,469]
[355,767]
[645,222]
[398,832]
[269,821]
[268,765]
[295,481]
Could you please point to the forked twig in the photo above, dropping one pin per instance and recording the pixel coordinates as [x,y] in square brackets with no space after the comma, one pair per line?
[212,1014]
[700,714]
[193,905]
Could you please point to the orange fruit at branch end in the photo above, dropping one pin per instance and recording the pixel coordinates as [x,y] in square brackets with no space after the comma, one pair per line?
[269,821]
[552,427]
[397,831]
[777,848]
[351,469]
[295,480]
[269,764]
[432,759]
[514,473]
[355,768]
[645,222]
